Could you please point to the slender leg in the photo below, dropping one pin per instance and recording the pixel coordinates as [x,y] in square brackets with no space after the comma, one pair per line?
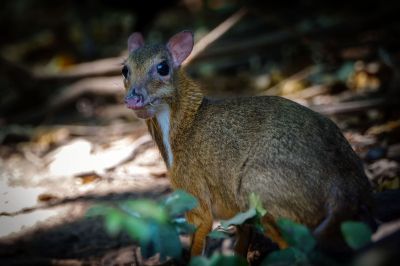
[272,231]
[328,234]
[202,219]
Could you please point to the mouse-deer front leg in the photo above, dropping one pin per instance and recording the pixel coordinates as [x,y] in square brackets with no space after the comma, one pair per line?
[202,219]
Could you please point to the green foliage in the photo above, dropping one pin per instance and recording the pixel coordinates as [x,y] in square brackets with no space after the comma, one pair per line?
[114,221]
[356,234]
[179,202]
[219,260]
[253,215]
[154,225]
[255,202]
[164,240]
[240,218]
[137,228]
[218,234]
[296,235]
[301,242]
[182,226]
[145,209]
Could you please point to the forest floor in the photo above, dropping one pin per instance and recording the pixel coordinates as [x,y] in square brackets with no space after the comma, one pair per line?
[52,174]
[44,199]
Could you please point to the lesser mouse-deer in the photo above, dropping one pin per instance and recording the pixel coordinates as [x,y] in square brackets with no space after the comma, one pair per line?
[220,151]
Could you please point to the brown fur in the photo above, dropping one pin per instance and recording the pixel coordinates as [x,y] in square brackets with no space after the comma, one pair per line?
[296,160]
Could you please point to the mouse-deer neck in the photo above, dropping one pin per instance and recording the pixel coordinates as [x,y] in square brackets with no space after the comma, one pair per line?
[175,117]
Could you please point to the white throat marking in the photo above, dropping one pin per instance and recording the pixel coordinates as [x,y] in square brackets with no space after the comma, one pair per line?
[163,119]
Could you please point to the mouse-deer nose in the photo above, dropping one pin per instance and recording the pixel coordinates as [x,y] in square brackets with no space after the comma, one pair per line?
[134,100]
[133,95]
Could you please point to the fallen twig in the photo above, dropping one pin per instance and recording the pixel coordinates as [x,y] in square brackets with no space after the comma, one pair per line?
[302,74]
[308,93]
[99,67]
[216,33]
[355,106]
[99,85]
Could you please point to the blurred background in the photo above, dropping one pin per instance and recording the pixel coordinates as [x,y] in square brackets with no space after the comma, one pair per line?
[67,141]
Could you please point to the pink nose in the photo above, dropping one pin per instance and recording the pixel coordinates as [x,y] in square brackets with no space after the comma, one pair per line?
[134,102]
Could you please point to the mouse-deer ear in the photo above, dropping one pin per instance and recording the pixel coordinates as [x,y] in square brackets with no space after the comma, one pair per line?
[180,46]
[135,41]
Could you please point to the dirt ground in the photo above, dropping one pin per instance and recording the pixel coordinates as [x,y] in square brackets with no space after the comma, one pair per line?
[43,206]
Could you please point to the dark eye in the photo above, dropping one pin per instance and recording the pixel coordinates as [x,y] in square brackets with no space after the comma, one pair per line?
[163,68]
[125,72]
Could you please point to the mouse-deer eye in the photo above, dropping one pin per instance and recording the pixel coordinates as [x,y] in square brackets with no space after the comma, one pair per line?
[125,72]
[163,68]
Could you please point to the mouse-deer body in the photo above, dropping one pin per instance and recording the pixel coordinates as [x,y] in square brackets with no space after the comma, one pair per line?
[296,160]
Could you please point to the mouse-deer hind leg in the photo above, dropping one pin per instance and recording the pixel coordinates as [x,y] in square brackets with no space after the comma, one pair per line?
[272,231]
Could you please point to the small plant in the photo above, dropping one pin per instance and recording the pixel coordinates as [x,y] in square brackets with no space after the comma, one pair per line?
[356,234]
[301,250]
[302,244]
[154,225]
[252,216]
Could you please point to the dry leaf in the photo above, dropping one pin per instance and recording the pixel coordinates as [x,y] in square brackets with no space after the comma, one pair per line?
[89,178]
[46,197]
[389,126]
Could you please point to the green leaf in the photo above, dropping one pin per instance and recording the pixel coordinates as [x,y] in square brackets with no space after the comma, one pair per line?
[170,243]
[296,235]
[163,240]
[138,229]
[97,210]
[222,260]
[217,234]
[356,234]
[256,203]
[179,202]
[145,209]
[240,218]
[199,261]
[183,227]
[114,221]
[286,257]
